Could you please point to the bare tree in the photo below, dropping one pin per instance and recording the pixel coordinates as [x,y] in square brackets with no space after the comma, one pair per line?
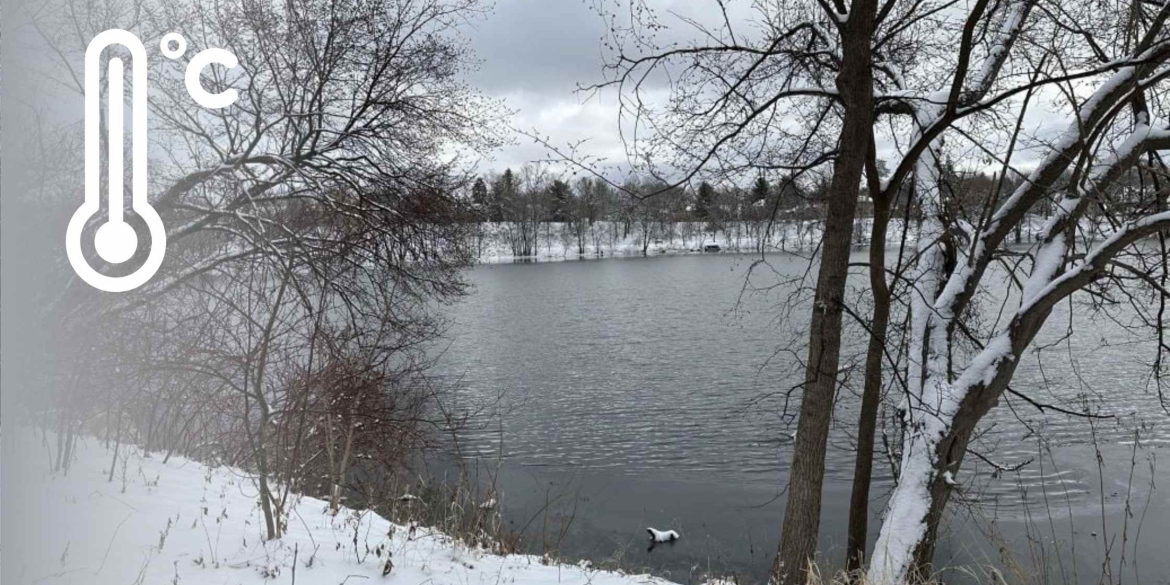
[314,230]
[824,59]
[947,395]
[825,83]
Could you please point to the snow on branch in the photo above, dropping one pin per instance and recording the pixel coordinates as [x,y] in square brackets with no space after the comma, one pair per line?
[1089,117]
[1050,256]
[1094,262]
[1097,110]
[935,111]
[997,55]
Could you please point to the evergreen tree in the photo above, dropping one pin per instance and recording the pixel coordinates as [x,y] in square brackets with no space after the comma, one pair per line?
[560,200]
[479,195]
[760,190]
[503,195]
[704,202]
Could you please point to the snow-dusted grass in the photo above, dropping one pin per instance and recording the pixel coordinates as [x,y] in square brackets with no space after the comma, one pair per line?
[185,523]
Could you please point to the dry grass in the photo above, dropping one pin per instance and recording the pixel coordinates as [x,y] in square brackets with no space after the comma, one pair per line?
[988,575]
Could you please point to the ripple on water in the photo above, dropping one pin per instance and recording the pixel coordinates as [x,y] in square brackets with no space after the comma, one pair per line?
[641,366]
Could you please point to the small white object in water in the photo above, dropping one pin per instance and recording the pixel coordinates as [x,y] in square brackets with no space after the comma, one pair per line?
[663,535]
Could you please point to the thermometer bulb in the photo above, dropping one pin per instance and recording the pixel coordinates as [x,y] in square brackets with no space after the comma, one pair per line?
[115,242]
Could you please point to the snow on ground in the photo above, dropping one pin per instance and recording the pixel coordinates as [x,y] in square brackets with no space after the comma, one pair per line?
[556,241]
[184,523]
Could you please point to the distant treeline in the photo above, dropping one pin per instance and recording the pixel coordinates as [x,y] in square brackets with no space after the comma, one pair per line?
[520,203]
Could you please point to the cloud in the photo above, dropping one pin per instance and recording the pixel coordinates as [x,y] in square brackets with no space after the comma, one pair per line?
[538,46]
[565,121]
[536,54]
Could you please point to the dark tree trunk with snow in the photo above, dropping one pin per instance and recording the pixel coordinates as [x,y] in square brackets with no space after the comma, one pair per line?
[802,513]
[932,71]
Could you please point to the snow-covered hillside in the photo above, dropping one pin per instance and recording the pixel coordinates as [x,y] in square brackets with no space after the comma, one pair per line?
[184,523]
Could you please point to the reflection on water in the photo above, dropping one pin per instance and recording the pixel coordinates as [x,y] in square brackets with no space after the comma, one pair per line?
[666,378]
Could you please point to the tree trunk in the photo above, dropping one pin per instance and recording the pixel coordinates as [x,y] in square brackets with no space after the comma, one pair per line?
[930,464]
[871,394]
[260,446]
[335,498]
[803,511]
[271,523]
[117,445]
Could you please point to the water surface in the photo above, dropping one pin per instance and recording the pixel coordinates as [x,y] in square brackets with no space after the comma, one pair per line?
[654,391]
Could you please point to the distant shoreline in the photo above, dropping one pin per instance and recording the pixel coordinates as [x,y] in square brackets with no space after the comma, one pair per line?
[557,242]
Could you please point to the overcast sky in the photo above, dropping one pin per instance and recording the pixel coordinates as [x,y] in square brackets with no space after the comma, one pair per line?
[534,53]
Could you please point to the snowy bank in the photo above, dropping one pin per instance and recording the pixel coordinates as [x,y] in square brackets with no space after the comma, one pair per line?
[550,241]
[185,523]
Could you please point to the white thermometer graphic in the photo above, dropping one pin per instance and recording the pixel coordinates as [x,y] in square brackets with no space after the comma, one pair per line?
[115,240]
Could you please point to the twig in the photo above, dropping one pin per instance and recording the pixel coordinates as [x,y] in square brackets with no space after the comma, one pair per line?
[111,544]
[1042,406]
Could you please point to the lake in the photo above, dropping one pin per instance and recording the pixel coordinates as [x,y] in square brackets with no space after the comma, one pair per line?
[633,392]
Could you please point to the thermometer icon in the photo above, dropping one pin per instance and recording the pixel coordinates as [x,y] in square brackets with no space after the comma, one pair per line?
[115,240]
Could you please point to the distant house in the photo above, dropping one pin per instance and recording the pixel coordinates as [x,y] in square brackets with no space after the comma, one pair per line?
[864,206]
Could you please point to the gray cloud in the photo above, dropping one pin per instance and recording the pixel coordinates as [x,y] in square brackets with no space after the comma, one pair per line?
[538,46]
[535,54]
